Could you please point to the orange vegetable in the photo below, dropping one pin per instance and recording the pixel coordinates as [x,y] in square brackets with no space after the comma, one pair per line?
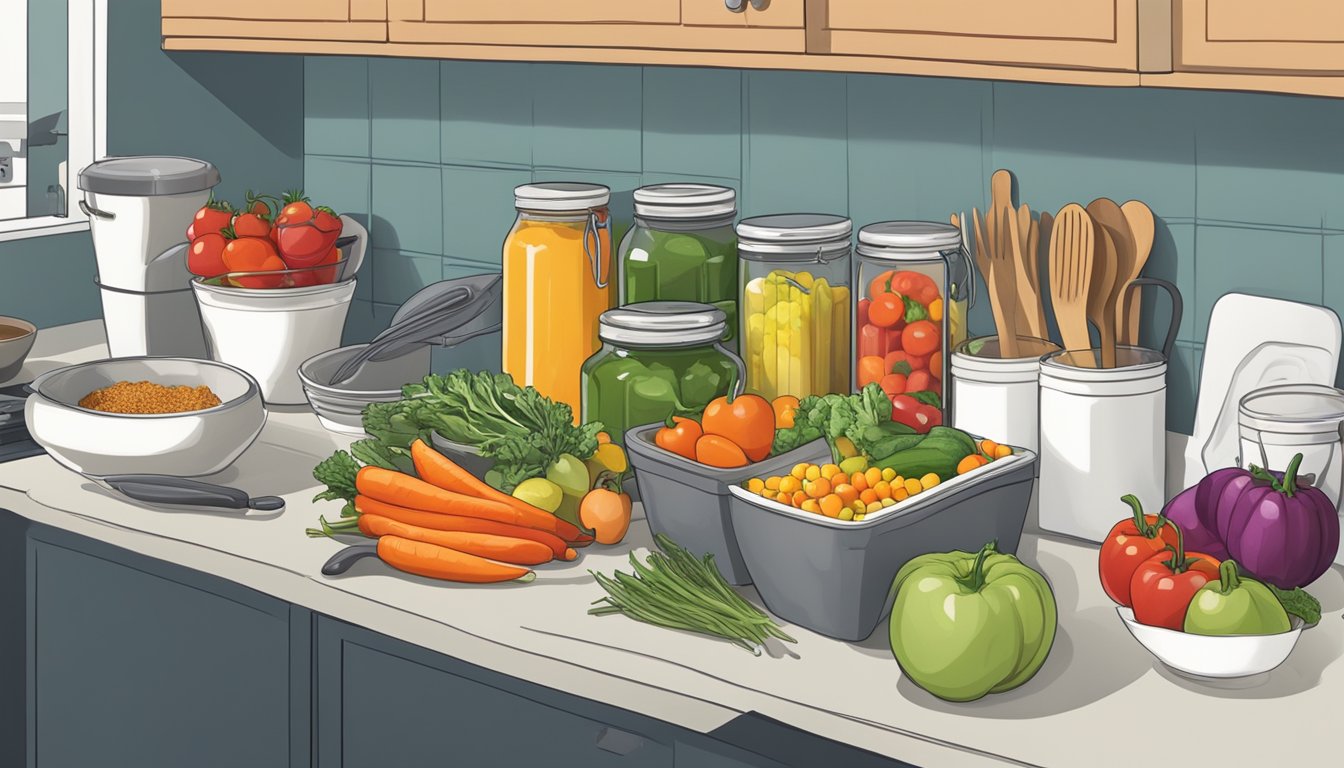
[971,463]
[719,451]
[678,435]
[441,522]
[435,562]
[501,548]
[871,370]
[605,513]
[936,366]
[603,438]
[784,407]
[847,493]
[440,471]
[406,491]
[831,505]
[818,488]
[747,420]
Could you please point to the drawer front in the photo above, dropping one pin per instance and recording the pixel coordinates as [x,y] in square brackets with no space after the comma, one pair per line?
[339,20]
[1083,34]
[1284,36]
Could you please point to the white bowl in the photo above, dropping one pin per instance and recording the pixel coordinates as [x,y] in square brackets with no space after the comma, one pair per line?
[340,408]
[1215,657]
[182,444]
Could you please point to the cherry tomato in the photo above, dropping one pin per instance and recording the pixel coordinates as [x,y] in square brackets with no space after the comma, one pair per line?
[205,256]
[870,370]
[893,384]
[920,338]
[887,311]
[873,341]
[881,284]
[251,225]
[253,254]
[916,362]
[326,220]
[302,245]
[863,312]
[921,381]
[212,217]
[1130,543]
[936,365]
[296,211]
[917,286]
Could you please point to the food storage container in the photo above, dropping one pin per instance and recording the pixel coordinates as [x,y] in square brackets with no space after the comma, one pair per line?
[834,577]
[795,303]
[1103,433]
[557,282]
[910,275]
[682,248]
[1277,422]
[658,358]
[689,501]
[999,397]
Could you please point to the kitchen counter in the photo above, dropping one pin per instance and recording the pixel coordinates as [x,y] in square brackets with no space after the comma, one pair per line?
[1097,691]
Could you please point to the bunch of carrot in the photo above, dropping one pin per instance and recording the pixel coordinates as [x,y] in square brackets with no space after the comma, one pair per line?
[448,524]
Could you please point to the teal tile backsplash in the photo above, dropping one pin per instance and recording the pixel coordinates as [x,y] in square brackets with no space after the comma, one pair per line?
[1248,188]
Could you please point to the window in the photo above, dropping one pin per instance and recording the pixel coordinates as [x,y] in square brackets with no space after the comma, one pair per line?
[52,111]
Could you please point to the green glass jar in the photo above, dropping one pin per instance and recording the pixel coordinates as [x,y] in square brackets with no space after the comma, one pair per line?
[682,247]
[658,358]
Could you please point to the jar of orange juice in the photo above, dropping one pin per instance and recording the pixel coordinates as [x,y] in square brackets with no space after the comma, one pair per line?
[557,283]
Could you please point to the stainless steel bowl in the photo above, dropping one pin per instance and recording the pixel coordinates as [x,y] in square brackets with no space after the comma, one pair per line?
[186,444]
[340,408]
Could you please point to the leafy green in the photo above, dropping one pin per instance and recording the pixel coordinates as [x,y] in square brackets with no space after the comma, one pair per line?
[927,397]
[914,311]
[337,472]
[1298,603]
[864,418]
[902,367]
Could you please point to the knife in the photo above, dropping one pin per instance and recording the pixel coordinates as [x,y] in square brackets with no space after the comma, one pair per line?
[180,491]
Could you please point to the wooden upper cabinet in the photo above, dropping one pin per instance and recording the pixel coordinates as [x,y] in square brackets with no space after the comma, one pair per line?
[327,20]
[1068,34]
[701,25]
[1267,36]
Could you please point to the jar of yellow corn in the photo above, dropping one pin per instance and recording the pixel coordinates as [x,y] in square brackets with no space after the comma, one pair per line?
[796,306]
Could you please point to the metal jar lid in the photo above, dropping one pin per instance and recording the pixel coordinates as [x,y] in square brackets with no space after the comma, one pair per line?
[148,176]
[560,196]
[685,201]
[663,324]
[898,240]
[1293,409]
[794,236]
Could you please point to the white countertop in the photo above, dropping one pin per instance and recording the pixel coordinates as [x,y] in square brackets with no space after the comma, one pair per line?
[1098,697]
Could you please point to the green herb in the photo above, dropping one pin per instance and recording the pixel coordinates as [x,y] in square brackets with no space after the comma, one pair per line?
[864,418]
[337,472]
[673,589]
[914,311]
[927,397]
[1298,603]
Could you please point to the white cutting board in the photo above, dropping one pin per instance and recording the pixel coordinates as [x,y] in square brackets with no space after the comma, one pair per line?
[1254,342]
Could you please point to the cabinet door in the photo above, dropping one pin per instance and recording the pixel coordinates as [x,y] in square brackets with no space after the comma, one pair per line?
[1280,37]
[132,668]
[1071,34]
[347,20]
[649,24]
[382,703]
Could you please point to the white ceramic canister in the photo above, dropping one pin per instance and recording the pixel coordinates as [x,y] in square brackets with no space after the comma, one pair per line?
[1275,423]
[1103,433]
[995,397]
[160,321]
[270,332]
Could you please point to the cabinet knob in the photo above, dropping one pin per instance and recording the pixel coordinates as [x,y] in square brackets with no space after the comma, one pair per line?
[738,6]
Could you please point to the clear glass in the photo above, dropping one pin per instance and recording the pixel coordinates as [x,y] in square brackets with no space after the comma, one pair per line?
[682,260]
[629,386]
[557,283]
[903,326]
[796,325]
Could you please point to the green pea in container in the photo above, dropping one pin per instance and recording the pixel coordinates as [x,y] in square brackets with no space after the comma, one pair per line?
[658,359]
[682,247]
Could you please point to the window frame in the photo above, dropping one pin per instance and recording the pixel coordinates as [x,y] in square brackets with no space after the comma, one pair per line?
[86,88]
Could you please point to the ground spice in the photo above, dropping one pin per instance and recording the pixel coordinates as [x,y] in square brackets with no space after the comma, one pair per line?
[148,397]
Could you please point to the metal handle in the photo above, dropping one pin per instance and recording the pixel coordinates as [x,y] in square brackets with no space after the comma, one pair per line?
[593,228]
[1177,308]
[181,491]
[760,5]
[95,212]
[741,385]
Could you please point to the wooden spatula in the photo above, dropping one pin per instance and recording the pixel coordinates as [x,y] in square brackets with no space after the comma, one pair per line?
[1004,314]
[1114,255]
[1004,263]
[1142,228]
[1071,243]
[1030,314]
[1043,226]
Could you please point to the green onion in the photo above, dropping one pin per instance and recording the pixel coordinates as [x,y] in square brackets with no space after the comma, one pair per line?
[674,589]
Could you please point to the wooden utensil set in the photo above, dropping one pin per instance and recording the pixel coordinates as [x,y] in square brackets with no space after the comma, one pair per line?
[1092,253]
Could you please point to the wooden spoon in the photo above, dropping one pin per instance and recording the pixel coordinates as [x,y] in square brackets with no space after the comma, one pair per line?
[1030,313]
[1071,275]
[1142,228]
[1043,227]
[1114,256]
[1003,314]
[1005,260]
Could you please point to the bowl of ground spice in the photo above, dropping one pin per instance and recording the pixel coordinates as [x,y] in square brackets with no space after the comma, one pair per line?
[146,415]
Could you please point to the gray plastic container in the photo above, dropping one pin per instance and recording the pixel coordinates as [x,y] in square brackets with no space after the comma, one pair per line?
[833,576]
[689,502]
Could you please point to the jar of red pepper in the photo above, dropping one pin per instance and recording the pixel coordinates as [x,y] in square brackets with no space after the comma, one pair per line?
[903,319]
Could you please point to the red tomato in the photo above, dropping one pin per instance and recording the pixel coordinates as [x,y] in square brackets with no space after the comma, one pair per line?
[257,204]
[254,254]
[922,381]
[914,414]
[917,286]
[921,338]
[870,370]
[326,220]
[212,217]
[893,384]
[1164,584]
[881,284]
[251,225]
[893,341]
[936,365]
[887,311]
[1129,543]
[205,256]
[916,362]
[303,245]
[873,340]
[863,312]
[320,274]
[296,211]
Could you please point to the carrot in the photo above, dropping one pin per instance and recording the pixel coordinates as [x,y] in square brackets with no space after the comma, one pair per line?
[441,471]
[505,549]
[440,522]
[435,562]
[403,490]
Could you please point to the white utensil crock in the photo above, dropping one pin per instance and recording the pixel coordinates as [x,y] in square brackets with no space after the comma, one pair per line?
[995,397]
